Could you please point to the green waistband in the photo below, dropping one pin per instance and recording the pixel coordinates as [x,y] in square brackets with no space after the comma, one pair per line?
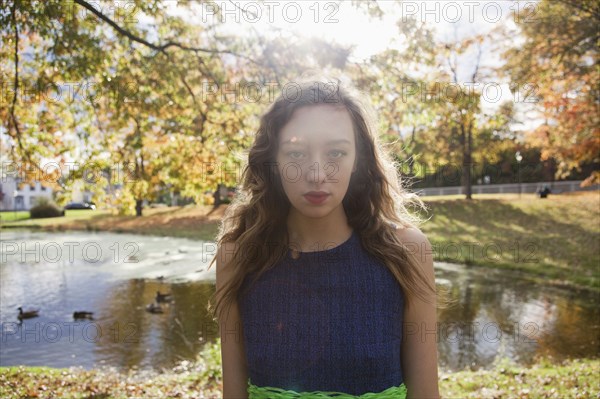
[256,392]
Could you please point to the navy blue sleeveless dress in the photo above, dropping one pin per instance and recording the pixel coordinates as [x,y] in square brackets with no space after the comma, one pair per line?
[330,320]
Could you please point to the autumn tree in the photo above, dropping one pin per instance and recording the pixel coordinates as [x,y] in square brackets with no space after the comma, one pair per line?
[557,64]
[152,101]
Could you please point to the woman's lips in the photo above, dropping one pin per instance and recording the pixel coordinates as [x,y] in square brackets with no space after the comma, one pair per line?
[316,198]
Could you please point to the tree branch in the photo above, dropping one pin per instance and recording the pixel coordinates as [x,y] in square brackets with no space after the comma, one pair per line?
[161,48]
[16,82]
[581,7]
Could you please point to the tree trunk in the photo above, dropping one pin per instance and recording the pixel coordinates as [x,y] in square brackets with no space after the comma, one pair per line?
[469,165]
[465,138]
[138,207]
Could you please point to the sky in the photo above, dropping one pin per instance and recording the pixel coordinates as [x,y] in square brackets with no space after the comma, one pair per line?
[344,24]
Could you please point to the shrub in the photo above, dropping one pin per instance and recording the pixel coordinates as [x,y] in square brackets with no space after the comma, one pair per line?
[45,209]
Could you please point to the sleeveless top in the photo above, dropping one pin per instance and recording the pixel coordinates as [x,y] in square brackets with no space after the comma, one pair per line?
[330,320]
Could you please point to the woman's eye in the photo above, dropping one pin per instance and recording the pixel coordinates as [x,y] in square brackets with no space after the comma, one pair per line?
[340,153]
[300,155]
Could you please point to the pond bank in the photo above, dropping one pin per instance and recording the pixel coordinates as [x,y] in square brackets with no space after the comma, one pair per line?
[553,240]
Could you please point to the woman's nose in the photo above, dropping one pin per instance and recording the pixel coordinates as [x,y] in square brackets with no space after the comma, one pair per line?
[320,170]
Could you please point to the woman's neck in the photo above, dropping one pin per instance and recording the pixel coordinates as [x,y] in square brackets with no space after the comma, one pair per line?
[308,234]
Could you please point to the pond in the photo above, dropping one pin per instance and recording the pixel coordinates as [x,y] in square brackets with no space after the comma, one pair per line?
[116,276]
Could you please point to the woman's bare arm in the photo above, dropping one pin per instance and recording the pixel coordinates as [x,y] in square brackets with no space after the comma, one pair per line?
[233,354]
[419,341]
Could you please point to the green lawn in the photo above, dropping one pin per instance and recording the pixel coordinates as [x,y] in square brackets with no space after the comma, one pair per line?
[191,380]
[556,239]
[186,222]
[23,220]
[13,216]
[577,378]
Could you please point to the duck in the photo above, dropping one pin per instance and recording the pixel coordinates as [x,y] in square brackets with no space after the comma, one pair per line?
[163,297]
[83,315]
[154,308]
[28,314]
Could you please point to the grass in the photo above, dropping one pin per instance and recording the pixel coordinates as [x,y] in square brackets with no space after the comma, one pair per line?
[72,215]
[552,241]
[195,222]
[200,379]
[576,378]
[11,216]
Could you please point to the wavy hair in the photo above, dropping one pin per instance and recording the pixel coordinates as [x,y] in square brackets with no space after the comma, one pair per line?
[375,204]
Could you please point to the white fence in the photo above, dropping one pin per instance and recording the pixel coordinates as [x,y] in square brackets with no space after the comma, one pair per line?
[556,187]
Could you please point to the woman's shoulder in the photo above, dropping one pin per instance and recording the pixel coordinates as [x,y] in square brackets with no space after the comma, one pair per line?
[410,234]
[416,241]
[224,270]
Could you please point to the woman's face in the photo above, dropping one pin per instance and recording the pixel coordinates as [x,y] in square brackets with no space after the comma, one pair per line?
[316,158]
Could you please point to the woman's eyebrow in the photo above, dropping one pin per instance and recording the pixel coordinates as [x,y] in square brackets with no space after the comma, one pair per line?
[340,141]
[296,142]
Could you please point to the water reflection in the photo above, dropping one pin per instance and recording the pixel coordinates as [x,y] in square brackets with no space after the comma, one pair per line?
[498,313]
[99,275]
[135,337]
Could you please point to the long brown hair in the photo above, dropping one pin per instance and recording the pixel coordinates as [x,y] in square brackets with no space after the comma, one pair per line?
[375,204]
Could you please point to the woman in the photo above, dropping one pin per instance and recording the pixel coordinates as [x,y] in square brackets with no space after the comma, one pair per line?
[325,284]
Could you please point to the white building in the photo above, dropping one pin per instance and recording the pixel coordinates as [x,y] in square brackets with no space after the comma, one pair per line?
[22,199]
